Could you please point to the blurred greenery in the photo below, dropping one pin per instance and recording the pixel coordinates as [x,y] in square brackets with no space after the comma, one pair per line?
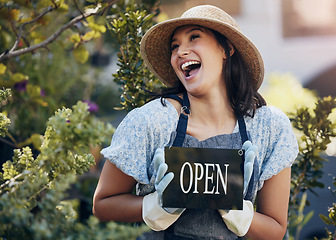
[331,218]
[58,74]
[314,122]
[285,92]
[49,144]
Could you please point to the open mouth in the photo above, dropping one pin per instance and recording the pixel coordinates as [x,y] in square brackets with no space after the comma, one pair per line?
[190,68]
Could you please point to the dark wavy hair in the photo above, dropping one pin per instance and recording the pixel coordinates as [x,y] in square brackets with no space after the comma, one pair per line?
[244,98]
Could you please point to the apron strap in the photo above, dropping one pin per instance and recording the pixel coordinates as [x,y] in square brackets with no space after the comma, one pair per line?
[242,129]
[182,124]
[184,102]
[181,130]
[244,138]
[175,97]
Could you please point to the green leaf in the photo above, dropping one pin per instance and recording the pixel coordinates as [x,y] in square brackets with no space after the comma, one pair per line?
[88,36]
[325,219]
[149,17]
[81,54]
[34,91]
[63,8]
[97,27]
[307,218]
[37,140]
[14,14]
[43,4]
[18,77]
[37,37]
[75,38]
[2,68]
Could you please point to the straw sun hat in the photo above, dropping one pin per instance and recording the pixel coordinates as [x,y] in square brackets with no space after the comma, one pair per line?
[155,44]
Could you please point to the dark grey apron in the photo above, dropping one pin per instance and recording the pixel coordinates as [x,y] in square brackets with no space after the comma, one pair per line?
[203,224]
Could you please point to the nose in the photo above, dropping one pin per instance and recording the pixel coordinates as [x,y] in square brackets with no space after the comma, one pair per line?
[183,50]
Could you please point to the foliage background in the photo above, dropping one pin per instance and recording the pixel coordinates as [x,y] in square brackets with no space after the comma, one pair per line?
[314,123]
[51,120]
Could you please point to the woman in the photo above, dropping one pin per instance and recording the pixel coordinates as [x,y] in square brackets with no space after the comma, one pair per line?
[205,59]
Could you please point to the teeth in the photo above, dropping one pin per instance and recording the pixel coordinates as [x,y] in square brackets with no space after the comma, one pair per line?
[187,64]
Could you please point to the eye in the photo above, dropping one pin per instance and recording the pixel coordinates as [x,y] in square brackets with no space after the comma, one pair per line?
[173,47]
[194,36]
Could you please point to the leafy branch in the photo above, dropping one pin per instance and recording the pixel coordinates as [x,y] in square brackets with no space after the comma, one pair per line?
[316,131]
[14,52]
[331,218]
[36,186]
[133,76]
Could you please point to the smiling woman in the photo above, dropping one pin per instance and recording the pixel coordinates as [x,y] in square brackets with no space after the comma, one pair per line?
[213,73]
[198,59]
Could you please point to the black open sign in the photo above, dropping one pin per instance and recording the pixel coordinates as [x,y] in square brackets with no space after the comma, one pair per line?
[204,178]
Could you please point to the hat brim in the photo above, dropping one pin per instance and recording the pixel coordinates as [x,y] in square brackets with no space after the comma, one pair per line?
[155,48]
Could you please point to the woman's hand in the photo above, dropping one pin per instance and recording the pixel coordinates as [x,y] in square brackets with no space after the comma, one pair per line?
[239,221]
[161,180]
[156,217]
[251,152]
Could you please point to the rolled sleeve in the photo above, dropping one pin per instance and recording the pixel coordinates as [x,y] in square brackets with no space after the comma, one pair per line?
[137,137]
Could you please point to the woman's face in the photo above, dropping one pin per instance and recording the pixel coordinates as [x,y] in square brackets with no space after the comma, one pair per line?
[197,59]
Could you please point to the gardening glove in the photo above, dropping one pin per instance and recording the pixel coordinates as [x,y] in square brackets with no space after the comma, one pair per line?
[239,221]
[156,217]
[251,152]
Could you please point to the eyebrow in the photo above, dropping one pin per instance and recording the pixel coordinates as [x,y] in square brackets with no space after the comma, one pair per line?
[189,31]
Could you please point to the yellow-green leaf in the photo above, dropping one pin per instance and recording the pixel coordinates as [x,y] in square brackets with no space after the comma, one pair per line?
[41,102]
[18,77]
[14,14]
[38,37]
[37,140]
[43,3]
[97,35]
[90,19]
[2,68]
[6,38]
[88,36]
[34,90]
[97,27]
[75,38]
[63,7]
[81,54]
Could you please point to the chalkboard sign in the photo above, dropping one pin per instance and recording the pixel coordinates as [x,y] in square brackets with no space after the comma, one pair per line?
[204,178]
